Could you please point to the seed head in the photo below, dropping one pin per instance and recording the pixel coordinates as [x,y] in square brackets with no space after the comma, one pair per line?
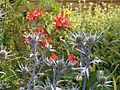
[4,54]
[79,39]
[101,80]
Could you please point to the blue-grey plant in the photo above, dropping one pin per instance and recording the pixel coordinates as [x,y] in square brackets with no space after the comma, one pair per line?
[102,81]
[33,39]
[4,86]
[24,69]
[84,44]
[60,66]
[4,54]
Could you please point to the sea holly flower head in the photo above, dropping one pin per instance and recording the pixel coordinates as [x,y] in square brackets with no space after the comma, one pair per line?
[4,85]
[47,85]
[5,54]
[24,68]
[32,38]
[62,21]
[78,38]
[93,39]
[85,70]
[34,14]
[102,80]
[49,61]
[54,60]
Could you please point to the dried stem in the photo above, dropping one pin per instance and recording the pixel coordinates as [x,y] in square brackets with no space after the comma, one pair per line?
[25,82]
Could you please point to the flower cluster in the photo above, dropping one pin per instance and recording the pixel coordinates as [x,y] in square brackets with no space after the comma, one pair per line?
[62,21]
[34,14]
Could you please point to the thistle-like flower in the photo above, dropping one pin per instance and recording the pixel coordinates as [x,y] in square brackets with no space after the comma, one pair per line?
[24,69]
[102,80]
[32,38]
[4,54]
[4,85]
[93,39]
[78,38]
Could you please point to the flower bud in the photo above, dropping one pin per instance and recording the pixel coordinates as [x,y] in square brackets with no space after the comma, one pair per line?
[101,80]
[91,40]
[60,65]
[3,54]
[79,39]
[25,69]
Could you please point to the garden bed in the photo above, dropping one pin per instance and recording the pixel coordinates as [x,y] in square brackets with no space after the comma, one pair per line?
[49,46]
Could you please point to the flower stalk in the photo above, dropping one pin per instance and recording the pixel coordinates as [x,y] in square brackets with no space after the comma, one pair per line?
[34,65]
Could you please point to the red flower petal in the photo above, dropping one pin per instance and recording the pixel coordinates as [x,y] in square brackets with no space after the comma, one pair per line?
[71,57]
[42,30]
[54,57]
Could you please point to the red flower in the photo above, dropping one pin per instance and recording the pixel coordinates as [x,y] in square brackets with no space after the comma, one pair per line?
[62,22]
[76,63]
[44,42]
[42,30]
[71,57]
[26,40]
[34,14]
[101,3]
[53,57]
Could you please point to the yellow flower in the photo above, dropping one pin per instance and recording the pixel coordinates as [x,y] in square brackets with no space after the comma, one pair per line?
[69,12]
